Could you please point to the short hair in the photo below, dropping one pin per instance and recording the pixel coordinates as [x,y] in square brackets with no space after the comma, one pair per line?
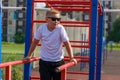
[51,12]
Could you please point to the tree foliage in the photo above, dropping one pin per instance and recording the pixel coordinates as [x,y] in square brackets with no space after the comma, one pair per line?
[114,34]
[19,37]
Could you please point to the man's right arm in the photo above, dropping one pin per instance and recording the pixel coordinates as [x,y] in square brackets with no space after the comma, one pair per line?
[32,48]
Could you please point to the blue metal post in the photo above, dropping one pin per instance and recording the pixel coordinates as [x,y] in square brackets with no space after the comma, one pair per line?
[93,40]
[0,40]
[27,67]
[100,39]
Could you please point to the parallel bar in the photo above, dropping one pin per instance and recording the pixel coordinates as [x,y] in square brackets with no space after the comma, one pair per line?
[65,66]
[18,62]
[82,73]
[34,77]
[78,57]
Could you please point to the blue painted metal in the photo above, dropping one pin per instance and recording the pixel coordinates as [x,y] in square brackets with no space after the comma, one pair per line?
[0,41]
[27,67]
[92,65]
[100,39]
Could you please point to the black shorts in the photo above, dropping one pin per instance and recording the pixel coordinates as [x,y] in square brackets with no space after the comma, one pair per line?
[47,70]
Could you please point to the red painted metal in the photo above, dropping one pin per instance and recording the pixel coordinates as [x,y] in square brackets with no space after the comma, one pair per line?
[75,41]
[76,46]
[34,77]
[18,62]
[73,9]
[8,65]
[82,73]
[70,22]
[70,5]
[69,2]
[8,73]
[65,66]
[63,74]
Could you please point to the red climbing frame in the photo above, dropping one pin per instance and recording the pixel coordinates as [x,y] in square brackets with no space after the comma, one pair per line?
[69,5]
[62,5]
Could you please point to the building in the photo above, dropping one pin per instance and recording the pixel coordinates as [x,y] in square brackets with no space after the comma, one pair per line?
[13,20]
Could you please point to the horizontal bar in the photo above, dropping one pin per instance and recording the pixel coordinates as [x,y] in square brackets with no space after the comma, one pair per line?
[14,8]
[73,9]
[34,77]
[70,22]
[75,46]
[37,8]
[83,2]
[67,65]
[70,64]
[80,60]
[82,6]
[111,10]
[74,41]
[83,73]
[18,62]
[77,57]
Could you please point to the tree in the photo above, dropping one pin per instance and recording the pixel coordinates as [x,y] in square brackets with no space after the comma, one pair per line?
[19,37]
[114,34]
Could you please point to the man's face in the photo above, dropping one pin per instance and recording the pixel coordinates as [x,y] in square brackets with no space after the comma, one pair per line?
[53,20]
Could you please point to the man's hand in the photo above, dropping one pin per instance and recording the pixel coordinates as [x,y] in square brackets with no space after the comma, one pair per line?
[27,58]
[73,60]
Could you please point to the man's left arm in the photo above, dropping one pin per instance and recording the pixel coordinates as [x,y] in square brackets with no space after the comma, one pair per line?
[69,51]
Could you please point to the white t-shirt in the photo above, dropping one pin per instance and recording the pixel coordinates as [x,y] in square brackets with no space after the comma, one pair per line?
[51,48]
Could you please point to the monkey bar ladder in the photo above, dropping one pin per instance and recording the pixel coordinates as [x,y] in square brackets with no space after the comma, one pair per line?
[94,24]
[94,42]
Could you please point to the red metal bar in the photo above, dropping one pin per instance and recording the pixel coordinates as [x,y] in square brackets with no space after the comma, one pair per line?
[80,46]
[65,66]
[61,5]
[6,64]
[83,2]
[63,74]
[79,60]
[67,24]
[75,46]
[34,77]
[73,9]
[70,22]
[78,41]
[8,73]
[78,57]
[83,73]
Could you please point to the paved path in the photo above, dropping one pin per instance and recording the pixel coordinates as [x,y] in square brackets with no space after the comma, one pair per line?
[110,69]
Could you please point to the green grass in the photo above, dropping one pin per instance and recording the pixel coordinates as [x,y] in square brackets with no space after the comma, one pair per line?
[12,51]
[115,47]
[12,48]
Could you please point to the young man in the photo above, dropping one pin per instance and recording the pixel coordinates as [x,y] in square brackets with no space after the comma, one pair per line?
[52,36]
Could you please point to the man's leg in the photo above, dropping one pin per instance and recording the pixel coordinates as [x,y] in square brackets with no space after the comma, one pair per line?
[44,71]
